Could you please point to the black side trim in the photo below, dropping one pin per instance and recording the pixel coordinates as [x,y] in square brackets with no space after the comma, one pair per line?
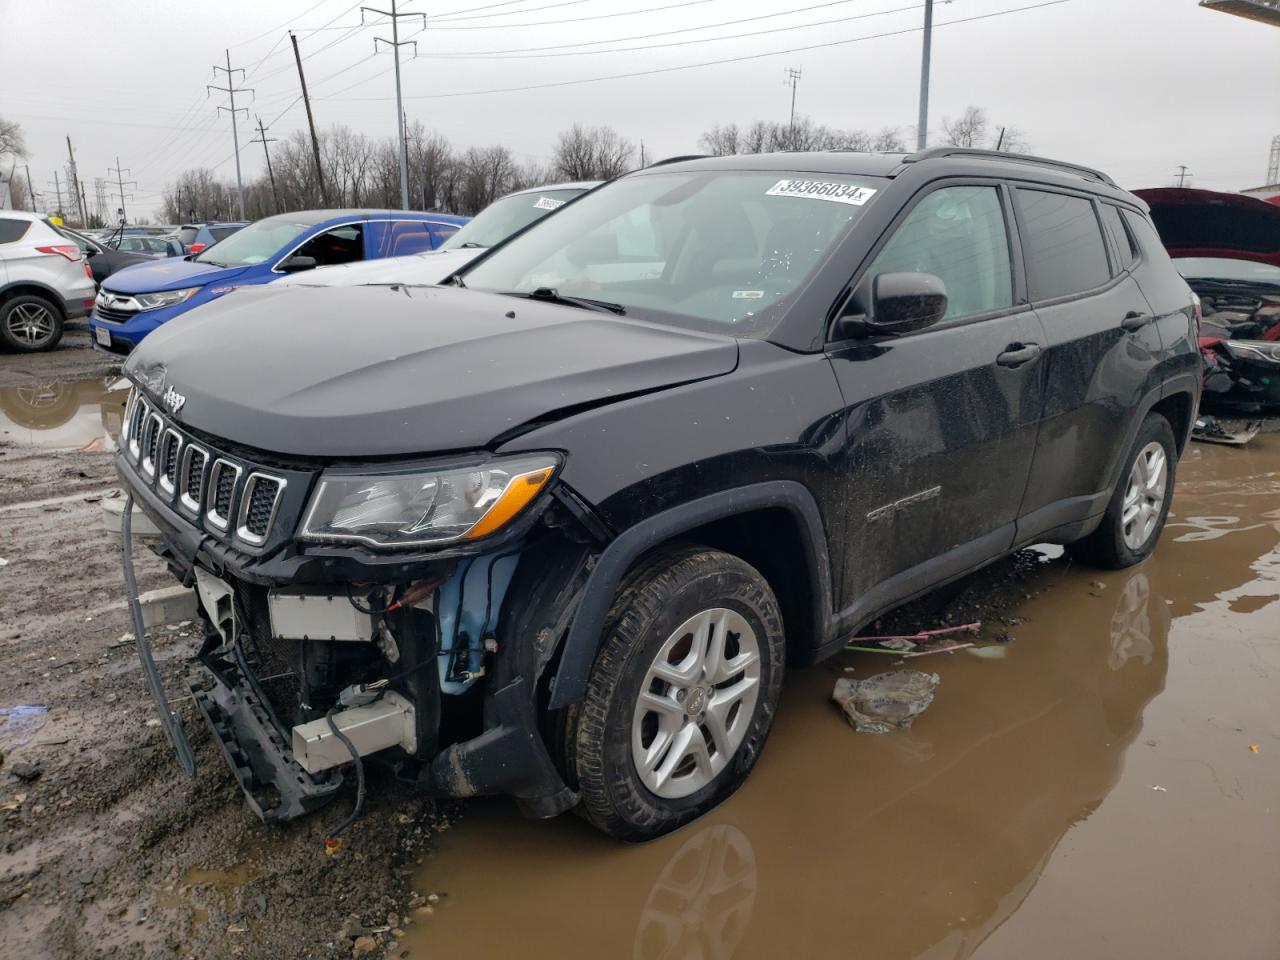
[580,648]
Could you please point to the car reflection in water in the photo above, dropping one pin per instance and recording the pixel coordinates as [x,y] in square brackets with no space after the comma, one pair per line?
[78,414]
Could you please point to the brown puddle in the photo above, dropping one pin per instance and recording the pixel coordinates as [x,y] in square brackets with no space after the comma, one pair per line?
[73,414]
[1091,793]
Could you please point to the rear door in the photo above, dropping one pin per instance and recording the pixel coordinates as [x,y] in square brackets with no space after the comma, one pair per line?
[942,422]
[1101,354]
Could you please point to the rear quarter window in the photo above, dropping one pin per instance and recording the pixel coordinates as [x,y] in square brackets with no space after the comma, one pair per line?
[187,235]
[221,233]
[1063,243]
[11,230]
[1120,239]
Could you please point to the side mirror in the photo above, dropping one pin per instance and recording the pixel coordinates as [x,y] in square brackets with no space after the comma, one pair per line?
[91,251]
[900,303]
[297,262]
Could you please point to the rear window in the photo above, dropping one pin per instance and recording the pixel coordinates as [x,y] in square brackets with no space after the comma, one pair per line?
[1120,238]
[11,230]
[187,235]
[1063,242]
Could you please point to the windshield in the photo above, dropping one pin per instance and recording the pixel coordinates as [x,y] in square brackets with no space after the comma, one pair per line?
[504,217]
[256,243]
[1220,268]
[715,251]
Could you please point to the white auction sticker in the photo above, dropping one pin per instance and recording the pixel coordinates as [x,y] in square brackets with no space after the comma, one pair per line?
[546,203]
[822,190]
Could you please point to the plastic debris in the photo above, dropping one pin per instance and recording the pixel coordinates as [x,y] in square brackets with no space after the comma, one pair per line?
[914,644]
[1160,789]
[1254,748]
[886,701]
[1208,429]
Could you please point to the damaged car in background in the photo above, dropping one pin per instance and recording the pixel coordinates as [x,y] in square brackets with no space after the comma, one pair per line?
[554,530]
[1227,246]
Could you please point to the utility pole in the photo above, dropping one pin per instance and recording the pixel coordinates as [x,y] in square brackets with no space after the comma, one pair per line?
[124,217]
[642,163]
[395,43]
[1182,175]
[30,187]
[231,90]
[922,122]
[57,186]
[84,205]
[315,143]
[793,79]
[264,140]
[75,181]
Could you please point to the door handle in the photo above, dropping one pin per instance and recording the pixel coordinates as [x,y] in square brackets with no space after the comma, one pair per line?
[1016,354]
[1135,321]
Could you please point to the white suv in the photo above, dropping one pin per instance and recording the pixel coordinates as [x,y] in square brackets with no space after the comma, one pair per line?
[44,281]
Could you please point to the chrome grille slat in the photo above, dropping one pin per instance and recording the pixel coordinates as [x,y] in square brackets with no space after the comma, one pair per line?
[258,505]
[224,477]
[194,461]
[167,462]
[150,441]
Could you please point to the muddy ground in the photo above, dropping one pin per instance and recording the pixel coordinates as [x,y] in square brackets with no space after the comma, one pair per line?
[927,842]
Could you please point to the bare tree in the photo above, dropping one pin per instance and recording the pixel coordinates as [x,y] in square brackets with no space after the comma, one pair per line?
[12,143]
[592,153]
[20,193]
[974,129]
[721,141]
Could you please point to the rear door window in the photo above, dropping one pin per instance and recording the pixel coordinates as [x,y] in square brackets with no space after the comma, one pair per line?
[404,237]
[957,234]
[1063,244]
[1121,242]
[11,230]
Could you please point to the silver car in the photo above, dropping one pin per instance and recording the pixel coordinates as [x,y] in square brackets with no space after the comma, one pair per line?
[44,282]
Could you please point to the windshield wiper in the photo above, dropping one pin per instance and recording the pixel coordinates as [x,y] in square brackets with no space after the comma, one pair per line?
[552,295]
[470,245]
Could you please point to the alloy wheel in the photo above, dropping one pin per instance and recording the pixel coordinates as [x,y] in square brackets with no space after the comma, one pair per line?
[31,324]
[1144,495]
[696,703]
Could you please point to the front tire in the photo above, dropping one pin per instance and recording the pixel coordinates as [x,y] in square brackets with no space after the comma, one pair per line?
[682,694]
[30,323]
[1139,506]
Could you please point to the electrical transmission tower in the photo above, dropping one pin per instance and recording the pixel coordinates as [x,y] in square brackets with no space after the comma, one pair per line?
[395,43]
[1273,166]
[120,182]
[793,80]
[231,90]
[263,139]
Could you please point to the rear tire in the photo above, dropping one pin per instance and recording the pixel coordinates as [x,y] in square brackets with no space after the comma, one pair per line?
[699,634]
[30,323]
[1136,513]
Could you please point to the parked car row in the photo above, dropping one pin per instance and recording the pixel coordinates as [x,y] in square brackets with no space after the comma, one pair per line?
[557,527]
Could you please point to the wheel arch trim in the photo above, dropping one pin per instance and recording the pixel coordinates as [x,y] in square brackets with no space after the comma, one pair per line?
[585,632]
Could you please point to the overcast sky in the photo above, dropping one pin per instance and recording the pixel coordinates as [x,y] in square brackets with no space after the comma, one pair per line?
[1136,87]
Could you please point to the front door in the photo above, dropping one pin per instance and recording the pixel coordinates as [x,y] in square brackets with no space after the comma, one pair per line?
[941,424]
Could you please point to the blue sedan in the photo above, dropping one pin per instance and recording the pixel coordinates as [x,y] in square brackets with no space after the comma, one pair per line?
[136,300]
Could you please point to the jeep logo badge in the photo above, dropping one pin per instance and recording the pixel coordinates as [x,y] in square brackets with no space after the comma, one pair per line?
[173,400]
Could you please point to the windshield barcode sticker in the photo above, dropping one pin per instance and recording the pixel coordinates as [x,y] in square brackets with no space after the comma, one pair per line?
[546,203]
[822,190]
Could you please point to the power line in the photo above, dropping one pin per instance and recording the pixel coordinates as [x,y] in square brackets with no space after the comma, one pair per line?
[668,33]
[456,15]
[281,26]
[549,23]
[712,63]
[683,43]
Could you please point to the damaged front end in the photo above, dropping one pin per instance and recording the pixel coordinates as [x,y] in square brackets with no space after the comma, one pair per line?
[407,615]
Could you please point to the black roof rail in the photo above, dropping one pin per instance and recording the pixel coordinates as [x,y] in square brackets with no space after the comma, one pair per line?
[935,152]
[679,159]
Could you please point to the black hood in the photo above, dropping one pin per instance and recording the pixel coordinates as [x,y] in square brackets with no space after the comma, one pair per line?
[395,371]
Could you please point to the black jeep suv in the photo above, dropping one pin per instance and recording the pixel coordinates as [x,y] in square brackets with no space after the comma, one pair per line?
[553,529]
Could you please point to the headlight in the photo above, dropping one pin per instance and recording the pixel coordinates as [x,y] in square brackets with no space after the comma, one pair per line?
[1253,350]
[419,509]
[165,298]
